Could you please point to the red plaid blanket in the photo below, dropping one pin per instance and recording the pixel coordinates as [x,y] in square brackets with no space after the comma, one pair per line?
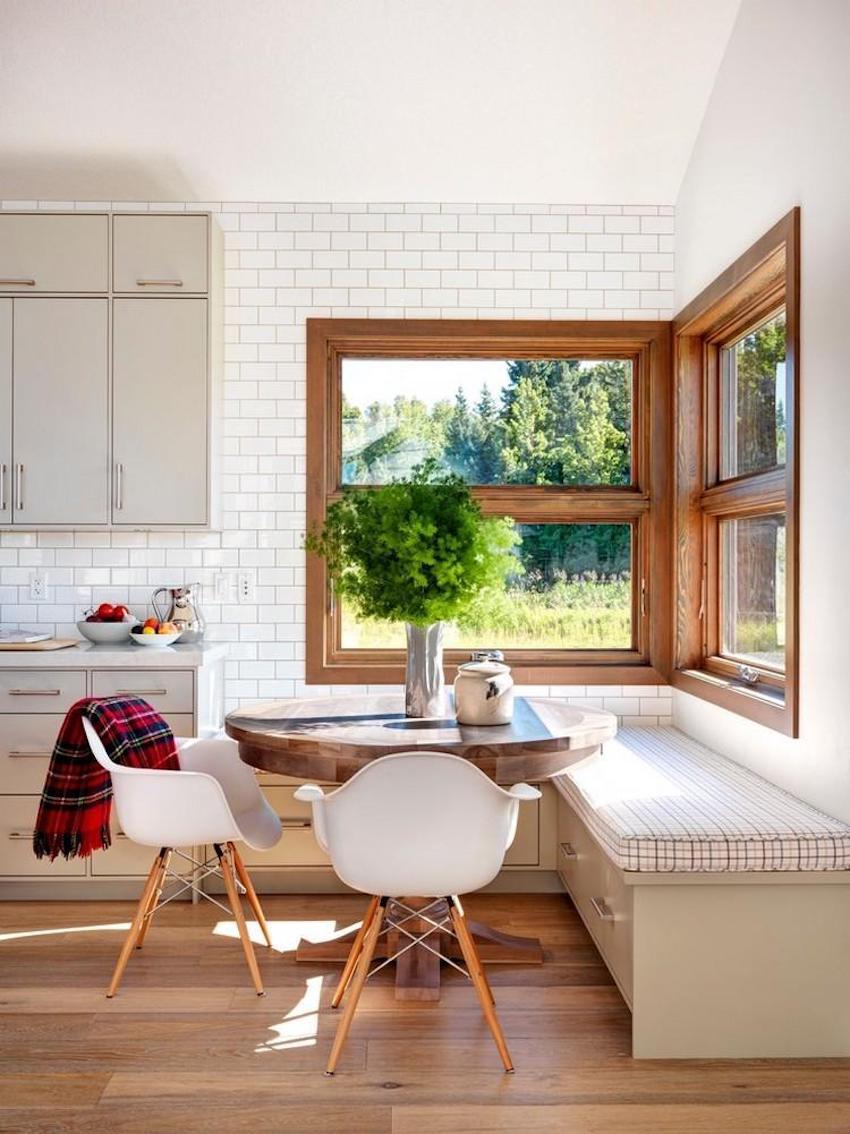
[73,818]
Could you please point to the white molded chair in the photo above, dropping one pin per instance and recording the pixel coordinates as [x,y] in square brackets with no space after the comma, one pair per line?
[213,799]
[423,823]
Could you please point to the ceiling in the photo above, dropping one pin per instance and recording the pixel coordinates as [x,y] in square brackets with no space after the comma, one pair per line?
[573,101]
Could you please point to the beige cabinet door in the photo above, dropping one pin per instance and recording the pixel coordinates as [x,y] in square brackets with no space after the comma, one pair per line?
[5,411]
[159,254]
[54,252]
[60,382]
[159,411]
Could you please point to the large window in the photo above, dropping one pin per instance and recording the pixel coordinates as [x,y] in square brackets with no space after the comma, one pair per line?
[737,485]
[564,427]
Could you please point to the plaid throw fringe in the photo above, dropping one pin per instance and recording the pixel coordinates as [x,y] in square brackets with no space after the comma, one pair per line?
[76,802]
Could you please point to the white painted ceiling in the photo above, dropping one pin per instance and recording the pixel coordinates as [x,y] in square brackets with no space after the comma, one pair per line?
[355,100]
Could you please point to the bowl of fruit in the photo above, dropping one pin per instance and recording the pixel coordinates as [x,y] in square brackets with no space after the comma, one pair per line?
[154,633]
[106,624]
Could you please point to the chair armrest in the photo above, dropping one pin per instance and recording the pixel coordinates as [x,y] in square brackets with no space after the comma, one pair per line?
[309,793]
[172,808]
[524,792]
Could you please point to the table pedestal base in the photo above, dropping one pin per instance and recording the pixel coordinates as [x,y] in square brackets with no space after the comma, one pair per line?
[417,974]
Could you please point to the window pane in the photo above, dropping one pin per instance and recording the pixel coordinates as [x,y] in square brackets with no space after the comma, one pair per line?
[575,593]
[753,589]
[491,421]
[752,401]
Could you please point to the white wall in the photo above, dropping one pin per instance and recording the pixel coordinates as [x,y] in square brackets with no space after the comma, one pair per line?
[775,135]
[283,263]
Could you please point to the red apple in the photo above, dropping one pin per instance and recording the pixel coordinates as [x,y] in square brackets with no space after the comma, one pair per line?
[104,611]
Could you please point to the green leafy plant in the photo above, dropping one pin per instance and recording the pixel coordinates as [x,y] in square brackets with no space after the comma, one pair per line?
[415,550]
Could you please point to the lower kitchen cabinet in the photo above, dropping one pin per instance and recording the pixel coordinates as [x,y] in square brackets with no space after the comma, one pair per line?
[185,685]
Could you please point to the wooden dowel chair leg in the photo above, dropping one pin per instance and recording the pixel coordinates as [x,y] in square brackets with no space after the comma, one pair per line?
[138,920]
[251,894]
[156,894]
[479,980]
[353,956]
[361,972]
[225,858]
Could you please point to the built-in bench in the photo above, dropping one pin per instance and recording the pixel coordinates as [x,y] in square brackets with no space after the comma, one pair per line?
[720,903]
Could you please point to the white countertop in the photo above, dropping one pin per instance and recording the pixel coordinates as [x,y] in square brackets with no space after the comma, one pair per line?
[125,655]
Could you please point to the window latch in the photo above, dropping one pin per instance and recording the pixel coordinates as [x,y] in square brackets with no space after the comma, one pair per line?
[748,674]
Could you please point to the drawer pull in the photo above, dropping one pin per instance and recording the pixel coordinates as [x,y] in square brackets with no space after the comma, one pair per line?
[159,283]
[146,692]
[17,283]
[602,910]
[35,692]
[569,851]
[15,754]
[21,836]
[295,824]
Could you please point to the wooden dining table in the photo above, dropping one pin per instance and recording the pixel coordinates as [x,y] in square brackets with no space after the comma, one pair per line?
[329,739]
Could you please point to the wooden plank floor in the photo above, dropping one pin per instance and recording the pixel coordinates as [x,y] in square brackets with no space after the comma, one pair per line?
[187,1047]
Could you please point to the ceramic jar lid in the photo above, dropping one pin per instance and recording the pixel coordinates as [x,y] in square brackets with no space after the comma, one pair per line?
[483,669]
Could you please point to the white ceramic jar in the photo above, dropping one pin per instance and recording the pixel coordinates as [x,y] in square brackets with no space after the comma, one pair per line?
[484,693]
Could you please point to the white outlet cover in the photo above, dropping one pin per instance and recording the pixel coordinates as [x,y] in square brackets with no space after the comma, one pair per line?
[38,586]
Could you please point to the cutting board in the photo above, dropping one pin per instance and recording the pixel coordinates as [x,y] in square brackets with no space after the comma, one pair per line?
[47,644]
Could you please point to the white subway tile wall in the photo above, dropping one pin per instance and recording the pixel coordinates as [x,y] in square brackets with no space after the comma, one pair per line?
[283,263]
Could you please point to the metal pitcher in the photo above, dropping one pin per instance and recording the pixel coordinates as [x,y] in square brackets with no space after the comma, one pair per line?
[183,610]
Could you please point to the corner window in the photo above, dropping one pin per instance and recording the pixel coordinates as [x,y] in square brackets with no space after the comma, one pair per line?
[737,490]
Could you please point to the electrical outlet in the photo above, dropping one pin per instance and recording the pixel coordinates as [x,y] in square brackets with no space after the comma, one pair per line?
[38,586]
[245,586]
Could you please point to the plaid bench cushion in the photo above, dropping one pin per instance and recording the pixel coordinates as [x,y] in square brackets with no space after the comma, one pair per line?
[656,800]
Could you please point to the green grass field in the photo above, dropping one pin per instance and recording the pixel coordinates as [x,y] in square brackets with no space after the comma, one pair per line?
[577,615]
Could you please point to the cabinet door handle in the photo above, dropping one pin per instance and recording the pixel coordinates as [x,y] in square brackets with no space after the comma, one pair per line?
[15,754]
[21,835]
[19,487]
[569,851]
[602,910]
[17,283]
[3,502]
[34,692]
[119,487]
[141,692]
[159,283]
[295,824]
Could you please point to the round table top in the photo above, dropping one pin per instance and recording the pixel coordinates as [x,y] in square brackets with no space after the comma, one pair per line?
[331,738]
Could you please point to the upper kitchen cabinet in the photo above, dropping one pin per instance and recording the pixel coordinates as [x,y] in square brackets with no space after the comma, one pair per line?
[160,412]
[5,410]
[109,382]
[60,417]
[54,252]
[160,253]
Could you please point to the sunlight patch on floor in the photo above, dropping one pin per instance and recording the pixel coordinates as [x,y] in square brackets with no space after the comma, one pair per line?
[300,1025]
[118,926]
[286,935]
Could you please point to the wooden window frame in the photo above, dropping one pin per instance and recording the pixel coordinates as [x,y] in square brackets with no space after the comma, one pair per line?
[646,503]
[763,280]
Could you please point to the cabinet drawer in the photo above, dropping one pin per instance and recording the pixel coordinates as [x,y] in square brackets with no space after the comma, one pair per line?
[54,252]
[525,849]
[130,859]
[160,254]
[167,690]
[599,893]
[298,846]
[26,741]
[40,691]
[17,820]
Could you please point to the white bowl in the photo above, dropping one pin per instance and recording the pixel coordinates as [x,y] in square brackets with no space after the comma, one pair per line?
[105,633]
[156,640]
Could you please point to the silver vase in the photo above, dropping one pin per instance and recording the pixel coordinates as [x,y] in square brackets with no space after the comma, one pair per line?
[424,687]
